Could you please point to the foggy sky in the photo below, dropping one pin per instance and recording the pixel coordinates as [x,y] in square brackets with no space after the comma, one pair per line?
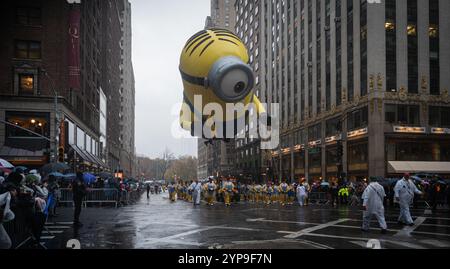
[160,30]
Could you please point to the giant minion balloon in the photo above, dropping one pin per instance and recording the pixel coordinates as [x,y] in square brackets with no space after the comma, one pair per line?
[213,66]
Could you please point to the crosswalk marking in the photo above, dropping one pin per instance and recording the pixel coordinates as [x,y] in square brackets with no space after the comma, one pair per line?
[47,237]
[409,229]
[315,228]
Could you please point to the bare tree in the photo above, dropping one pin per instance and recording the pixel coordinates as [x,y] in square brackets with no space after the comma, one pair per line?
[166,161]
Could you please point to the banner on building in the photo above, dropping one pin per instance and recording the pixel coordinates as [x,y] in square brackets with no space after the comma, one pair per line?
[74,47]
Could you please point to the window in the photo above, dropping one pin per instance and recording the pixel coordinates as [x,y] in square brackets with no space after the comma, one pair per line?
[439,117]
[27,49]
[315,132]
[28,16]
[35,122]
[413,72]
[391,46]
[357,119]
[403,114]
[26,84]
[434,48]
[333,127]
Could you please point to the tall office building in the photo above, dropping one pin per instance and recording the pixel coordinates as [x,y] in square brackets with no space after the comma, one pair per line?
[41,60]
[127,94]
[69,50]
[369,75]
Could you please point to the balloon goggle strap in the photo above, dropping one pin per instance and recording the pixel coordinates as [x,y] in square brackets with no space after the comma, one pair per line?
[194,80]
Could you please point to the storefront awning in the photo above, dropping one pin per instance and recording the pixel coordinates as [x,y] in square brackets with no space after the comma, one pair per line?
[81,153]
[395,167]
[22,157]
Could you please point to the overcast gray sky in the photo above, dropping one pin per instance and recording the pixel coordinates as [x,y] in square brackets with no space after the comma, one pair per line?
[160,30]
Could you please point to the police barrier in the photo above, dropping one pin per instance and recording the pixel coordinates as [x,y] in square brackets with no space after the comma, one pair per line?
[66,197]
[101,196]
[318,197]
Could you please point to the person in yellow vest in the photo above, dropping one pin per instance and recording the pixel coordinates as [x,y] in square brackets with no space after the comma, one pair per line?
[284,188]
[228,188]
[210,190]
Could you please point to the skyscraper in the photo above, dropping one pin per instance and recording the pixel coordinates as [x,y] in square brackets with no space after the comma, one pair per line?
[368,75]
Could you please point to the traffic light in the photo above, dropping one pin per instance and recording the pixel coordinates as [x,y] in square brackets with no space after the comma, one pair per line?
[61,154]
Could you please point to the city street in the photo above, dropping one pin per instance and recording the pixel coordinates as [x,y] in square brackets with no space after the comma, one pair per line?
[159,224]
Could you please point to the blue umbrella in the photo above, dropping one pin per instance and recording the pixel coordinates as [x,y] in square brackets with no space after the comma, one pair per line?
[56,174]
[88,178]
[69,177]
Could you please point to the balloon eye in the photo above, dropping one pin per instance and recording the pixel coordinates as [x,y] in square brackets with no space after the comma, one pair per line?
[240,87]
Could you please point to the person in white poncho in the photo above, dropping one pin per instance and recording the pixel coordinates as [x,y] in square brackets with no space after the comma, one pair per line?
[373,198]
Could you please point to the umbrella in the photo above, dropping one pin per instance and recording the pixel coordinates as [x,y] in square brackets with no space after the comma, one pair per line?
[29,179]
[5,164]
[88,178]
[105,175]
[20,169]
[56,174]
[324,184]
[6,170]
[69,177]
[54,167]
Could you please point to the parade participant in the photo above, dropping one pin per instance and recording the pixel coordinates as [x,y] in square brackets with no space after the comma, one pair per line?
[268,189]
[301,194]
[210,189]
[251,192]
[404,195]
[172,192]
[258,193]
[373,198]
[276,193]
[228,187]
[190,190]
[308,190]
[291,193]
[178,190]
[284,188]
[196,192]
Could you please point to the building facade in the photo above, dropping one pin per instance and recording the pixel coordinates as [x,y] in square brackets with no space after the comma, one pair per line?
[59,88]
[127,94]
[371,75]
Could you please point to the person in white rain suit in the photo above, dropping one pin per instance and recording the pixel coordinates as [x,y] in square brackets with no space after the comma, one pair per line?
[404,195]
[373,198]
[196,194]
[301,194]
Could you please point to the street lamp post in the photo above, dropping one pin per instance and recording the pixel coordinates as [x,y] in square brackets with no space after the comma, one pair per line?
[55,93]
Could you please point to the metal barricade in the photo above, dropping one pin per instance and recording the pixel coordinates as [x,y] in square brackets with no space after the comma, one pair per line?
[318,197]
[101,196]
[66,197]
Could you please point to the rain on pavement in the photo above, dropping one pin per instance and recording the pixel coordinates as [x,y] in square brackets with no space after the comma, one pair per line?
[159,224]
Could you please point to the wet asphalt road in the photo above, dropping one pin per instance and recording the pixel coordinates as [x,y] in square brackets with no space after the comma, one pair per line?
[159,224]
